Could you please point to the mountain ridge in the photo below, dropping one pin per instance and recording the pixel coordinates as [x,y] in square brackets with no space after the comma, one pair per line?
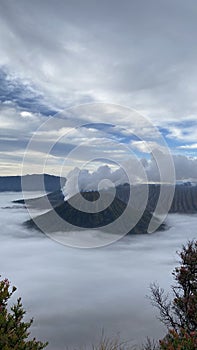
[32,182]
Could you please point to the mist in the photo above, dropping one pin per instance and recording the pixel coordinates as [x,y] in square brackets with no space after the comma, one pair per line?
[75,294]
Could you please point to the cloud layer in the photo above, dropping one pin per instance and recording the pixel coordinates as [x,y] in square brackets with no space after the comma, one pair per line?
[140,54]
[73,294]
[105,177]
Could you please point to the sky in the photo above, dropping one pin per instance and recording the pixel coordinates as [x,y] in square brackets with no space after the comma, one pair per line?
[58,56]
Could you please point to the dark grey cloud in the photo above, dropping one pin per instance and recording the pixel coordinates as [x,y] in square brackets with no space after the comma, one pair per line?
[135,52]
[14,91]
[57,54]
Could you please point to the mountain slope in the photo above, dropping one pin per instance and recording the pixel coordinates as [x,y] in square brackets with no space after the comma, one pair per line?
[184,201]
[51,222]
[52,199]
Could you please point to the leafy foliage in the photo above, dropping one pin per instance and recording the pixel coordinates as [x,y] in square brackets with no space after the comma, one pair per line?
[181,340]
[180,314]
[14,334]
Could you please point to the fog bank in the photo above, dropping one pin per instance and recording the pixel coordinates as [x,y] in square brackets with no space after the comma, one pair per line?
[73,293]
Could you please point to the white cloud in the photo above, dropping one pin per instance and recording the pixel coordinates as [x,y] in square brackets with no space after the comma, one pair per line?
[65,55]
[148,146]
[84,180]
[26,114]
[184,133]
[74,58]
[191,146]
[14,122]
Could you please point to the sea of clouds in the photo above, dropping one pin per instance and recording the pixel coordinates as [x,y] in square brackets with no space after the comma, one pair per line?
[74,294]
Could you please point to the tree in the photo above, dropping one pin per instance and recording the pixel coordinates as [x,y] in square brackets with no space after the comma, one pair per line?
[180,313]
[14,332]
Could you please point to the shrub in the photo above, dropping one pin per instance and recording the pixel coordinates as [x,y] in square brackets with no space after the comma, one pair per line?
[180,313]
[179,341]
[14,332]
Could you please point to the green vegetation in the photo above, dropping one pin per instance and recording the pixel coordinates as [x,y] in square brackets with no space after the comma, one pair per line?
[14,334]
[178,314]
